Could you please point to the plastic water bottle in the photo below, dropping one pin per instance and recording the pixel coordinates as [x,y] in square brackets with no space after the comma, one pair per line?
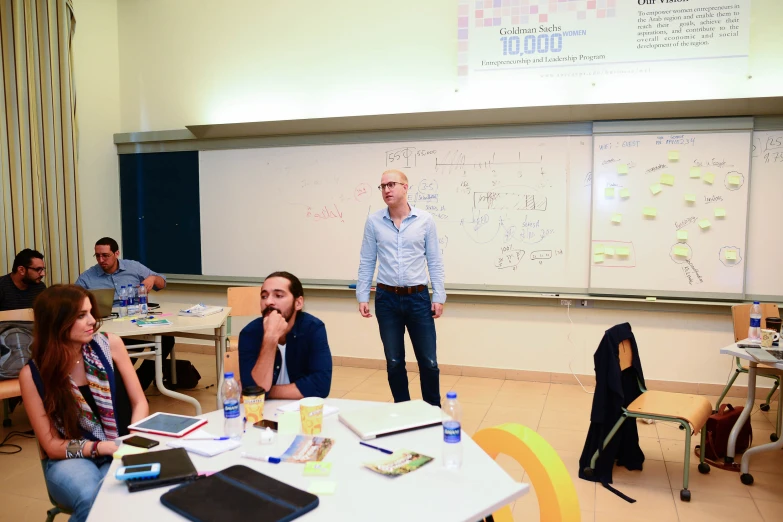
[754,332]
[133,303]
[143,300]
[452,433]
[232,424]
[123,301]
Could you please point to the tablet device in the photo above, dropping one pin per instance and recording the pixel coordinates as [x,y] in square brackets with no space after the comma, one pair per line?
[169,424]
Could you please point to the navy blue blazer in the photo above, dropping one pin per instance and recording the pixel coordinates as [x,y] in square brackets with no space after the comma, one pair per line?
[307,355]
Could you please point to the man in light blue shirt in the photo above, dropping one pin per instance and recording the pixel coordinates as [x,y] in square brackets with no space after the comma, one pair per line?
[113,272]
[403,241]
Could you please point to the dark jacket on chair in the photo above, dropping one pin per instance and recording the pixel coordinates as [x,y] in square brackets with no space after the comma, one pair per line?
[613,391]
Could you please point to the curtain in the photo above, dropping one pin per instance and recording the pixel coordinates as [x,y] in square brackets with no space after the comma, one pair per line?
[38,136]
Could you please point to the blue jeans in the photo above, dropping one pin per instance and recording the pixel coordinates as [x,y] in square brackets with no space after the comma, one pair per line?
[395,313]
[74,483]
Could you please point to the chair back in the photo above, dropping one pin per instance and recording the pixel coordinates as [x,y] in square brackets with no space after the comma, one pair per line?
[740,315]
[626,354]
[23,314]
[244,300]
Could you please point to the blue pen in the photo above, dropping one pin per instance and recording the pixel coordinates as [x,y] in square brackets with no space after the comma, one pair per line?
[377,448]
[207,438]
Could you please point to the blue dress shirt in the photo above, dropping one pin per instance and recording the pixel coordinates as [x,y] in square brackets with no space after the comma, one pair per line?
[128,273]
[403,255]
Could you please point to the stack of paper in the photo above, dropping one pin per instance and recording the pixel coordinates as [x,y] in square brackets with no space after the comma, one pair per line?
[195,443]
[200,310]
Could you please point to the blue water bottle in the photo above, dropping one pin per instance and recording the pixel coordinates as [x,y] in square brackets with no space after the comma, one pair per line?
[452,432]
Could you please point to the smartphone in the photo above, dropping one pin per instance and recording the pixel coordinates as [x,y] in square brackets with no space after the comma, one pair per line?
[140,471]
[266,423]
[141,442]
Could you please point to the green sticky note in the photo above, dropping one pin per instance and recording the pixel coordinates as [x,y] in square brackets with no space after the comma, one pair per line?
[322,487]
[127,449]
[598,258]
[681,251]
[709,178]
[690,198]
[682,235]
[652,298]
[667,179]
[624,193]
[704,224]
[695,172]
[609,251]
[720,212]
[649,211]
[320,469]
[674,155]
[289,423]
[655,188]
[622,168]
[609,192]
[623,251]
[731,255]
[617,218]
[734,180]
[598,249]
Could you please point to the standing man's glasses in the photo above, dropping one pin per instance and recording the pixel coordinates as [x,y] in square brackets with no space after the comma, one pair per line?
[102,256]
[390,185]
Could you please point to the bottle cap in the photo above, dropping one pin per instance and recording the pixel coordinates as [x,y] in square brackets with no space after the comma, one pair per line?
[451,395]
[228,375]
[755,302]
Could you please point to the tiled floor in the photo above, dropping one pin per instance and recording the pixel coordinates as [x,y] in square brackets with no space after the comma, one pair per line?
[558,412]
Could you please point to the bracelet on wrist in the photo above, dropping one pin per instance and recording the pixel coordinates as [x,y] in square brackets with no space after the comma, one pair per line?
[94,452]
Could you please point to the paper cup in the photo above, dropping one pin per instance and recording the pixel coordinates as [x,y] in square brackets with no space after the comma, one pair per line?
[311,411]
[253,398]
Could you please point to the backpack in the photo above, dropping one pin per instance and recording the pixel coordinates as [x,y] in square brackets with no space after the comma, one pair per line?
[16,339]
[187,375]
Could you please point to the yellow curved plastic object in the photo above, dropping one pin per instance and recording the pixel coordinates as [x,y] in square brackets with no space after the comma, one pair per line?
[556,494]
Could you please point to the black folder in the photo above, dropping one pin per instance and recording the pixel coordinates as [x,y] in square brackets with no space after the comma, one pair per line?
[175,468]
[239,494]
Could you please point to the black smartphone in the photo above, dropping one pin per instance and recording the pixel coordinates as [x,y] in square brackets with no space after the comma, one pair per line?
[141,442]
[266,423]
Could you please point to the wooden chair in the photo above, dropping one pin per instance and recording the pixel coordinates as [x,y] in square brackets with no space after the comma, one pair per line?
[244,301]
[10,388]
[690,411]
[740,315]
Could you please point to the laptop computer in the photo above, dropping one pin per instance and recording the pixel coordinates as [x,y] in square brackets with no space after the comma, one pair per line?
[765,355]
[389,419]
[105,299]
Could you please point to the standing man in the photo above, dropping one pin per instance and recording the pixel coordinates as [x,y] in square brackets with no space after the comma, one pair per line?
[20,288]
[403,241]
[113,272]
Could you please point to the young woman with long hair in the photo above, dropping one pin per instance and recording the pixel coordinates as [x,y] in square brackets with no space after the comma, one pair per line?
[72,390]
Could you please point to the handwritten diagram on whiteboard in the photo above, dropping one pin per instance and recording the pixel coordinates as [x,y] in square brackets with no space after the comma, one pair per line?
[670,214]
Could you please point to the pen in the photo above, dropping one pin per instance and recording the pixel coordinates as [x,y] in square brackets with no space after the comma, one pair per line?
[264,458]
[376,447]
[207,438]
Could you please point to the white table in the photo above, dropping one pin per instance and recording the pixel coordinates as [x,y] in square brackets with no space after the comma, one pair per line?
[736,351]
[430,493]
[181,327]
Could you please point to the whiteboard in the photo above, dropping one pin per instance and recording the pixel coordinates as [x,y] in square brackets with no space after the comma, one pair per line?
[511,213]
[710,168]
[764,279]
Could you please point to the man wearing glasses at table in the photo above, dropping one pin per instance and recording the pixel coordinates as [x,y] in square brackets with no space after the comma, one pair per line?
[403,241]
[20,288]
[113,272]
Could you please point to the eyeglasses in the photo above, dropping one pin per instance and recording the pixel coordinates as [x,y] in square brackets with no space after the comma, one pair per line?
[390,185]
[39,270]
[102,256]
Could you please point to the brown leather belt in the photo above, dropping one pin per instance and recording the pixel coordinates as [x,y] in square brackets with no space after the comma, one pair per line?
[403,290]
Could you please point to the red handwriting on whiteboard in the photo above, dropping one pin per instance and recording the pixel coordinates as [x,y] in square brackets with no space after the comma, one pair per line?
[325,213]
[361,192]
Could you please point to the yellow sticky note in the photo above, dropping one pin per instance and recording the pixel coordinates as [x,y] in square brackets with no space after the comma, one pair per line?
[598,249]
[681,251]
[720,212]
[609,251]
[695,172]
[289,423]
[655,188]
[731,255]
[623,251]
[318,468]
[709,178]
[127,449]
[624,193]
[622,168]
[322,487]
[704,224]
[598,258]
[690,198]
[649,211]
[682,235]
[674,155]
[609,192]
[652,298]
[617,218]
[734,180]
[667,179]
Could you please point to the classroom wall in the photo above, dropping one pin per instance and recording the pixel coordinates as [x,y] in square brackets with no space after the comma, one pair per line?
[97,76]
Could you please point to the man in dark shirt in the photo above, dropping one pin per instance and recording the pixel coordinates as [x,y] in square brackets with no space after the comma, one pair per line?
[20,288]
